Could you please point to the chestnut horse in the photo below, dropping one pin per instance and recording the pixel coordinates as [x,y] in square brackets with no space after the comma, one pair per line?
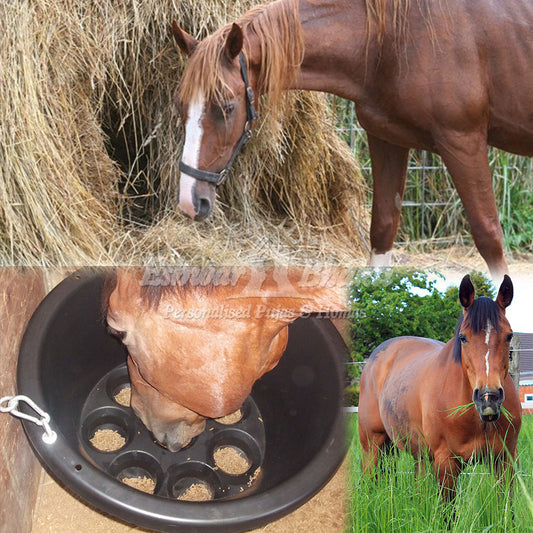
[420,394]
[196,349]
[450,77]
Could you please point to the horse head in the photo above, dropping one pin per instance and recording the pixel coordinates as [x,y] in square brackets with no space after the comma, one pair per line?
[482,345]
[217,106]
[259,54]
[195,352]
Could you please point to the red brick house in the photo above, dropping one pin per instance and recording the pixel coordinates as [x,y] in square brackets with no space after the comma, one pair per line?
[525,389]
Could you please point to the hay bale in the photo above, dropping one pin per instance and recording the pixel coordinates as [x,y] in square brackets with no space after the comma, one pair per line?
[91,143]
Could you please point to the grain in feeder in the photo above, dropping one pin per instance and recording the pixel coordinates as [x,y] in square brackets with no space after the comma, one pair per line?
[123,396]
[107,440]
[232,460]
[230,419]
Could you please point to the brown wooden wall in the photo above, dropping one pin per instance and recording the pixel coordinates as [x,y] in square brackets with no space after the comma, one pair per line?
[21,290]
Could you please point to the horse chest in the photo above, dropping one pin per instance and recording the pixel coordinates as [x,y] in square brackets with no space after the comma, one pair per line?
[387,125]
[473,439]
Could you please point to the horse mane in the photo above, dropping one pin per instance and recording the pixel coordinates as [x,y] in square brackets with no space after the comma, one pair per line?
[390,17]
[277,28]
[381,13]
[481,311]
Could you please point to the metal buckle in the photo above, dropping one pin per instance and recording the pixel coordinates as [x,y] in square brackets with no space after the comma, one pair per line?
[222,175]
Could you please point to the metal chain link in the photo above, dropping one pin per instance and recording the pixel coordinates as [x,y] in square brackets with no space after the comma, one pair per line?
[49,436]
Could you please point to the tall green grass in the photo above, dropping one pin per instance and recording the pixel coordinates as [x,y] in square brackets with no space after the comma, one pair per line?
[395,501]
[432,210]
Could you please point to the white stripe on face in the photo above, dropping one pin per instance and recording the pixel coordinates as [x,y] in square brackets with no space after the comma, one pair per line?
[191,154]
[488,329]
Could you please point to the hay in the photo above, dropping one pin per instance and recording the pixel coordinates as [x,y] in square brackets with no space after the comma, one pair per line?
[90,144]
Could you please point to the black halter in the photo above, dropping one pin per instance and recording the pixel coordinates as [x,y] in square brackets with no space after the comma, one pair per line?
[218,178]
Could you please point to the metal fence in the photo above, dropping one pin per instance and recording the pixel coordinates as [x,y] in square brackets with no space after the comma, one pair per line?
[431,209]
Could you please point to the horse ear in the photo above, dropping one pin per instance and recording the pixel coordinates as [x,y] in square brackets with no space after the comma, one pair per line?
[467,293]
[505,294]
[187,43]
[234,42]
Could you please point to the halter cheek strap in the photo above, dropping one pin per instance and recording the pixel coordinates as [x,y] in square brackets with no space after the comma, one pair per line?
[218,178]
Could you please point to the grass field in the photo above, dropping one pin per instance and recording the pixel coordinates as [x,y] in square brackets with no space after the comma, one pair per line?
[394,501]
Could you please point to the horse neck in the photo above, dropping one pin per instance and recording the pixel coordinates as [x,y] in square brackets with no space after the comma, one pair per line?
[454,376]
[336,40]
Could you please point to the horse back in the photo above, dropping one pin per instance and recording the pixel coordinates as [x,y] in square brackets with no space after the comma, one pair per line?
[391,380]
[392,356]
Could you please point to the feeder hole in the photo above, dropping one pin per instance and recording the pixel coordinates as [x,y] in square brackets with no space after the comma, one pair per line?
[139,479]
[123,396]
[78,467]
[231,460]
[138,470]
[193,490]
[230,419]
[108,438]
[193,482]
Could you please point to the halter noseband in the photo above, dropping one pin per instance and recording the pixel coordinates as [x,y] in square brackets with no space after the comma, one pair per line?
[218,178]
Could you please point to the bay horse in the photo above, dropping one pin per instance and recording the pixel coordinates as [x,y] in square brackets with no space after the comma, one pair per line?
[195,348]
[446,399]
[451,77]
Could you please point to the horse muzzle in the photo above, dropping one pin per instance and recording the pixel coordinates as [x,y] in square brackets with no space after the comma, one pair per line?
[196,198]
[178,435]
[488,403]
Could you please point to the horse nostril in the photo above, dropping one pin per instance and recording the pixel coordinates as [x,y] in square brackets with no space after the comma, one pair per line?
[203,208]
[501,392]
[475,395]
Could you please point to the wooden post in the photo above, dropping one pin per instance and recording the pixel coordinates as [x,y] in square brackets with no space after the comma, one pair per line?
[21,290]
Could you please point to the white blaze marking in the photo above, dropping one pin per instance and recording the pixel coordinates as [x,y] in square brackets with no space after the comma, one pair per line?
[191,153]
[488,329]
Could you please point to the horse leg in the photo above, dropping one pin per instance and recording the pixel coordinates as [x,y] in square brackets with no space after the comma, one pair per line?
[389,168]
[465,156]
[372,443]
[447,469]
[372,434]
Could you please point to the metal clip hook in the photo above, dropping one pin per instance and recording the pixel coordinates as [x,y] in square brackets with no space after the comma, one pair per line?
[49,436]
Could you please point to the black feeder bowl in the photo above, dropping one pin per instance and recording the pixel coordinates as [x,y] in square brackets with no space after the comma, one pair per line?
[292,427]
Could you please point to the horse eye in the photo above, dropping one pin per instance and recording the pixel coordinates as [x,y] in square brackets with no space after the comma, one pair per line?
[228,108]
[221,112]
[115,332]
[462,338]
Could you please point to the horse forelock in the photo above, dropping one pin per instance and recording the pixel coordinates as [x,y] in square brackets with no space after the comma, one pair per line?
[483,311]
[204,73]
[277,29]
